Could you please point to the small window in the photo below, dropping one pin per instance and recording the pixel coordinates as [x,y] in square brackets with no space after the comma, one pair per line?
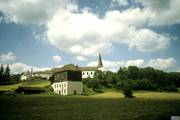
[83,73]
[87,73]
[64,91]
[91,73]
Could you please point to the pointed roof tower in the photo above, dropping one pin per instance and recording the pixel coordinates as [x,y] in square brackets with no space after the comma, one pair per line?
[100,64]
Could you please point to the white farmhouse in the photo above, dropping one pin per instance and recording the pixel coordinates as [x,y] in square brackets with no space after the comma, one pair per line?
[67,81]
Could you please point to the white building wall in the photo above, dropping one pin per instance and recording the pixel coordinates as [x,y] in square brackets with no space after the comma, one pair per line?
[23,77]
[88,74]
[47,76]
[68,87]
[60,88]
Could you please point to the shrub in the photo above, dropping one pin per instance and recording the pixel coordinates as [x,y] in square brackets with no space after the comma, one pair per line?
[171,88]
[127,91]
[127,88]
[29,90]
[99,90]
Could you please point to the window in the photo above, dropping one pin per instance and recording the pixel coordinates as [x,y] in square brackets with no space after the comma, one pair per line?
[64,91]
[91,73]
[83,73]
[65,85]
[87,73]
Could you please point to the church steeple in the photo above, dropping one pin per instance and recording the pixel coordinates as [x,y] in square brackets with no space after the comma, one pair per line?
[100,64]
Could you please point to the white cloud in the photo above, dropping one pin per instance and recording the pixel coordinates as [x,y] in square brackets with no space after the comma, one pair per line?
[8,57]
[80,58]
[165,11]
[162,63]
[86,34]
[146,40]
[159,63]
[57,58]
[108,65]
[137,62]
[21,67]
[33,11]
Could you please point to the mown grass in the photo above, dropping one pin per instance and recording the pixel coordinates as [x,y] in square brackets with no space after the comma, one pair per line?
[39,83]
[110,105]
[35,83]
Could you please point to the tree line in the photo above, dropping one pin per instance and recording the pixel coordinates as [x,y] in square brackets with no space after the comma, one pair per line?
[136,78]
[5,76]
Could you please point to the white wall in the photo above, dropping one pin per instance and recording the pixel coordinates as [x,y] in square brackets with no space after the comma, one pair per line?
[23,77]
[68,87]
[88,74]
[60,88]
[47,76]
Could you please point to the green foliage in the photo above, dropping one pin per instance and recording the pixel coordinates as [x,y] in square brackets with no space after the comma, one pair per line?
[15,78]
[94,84]
[141,79]
[1,74]
[29,90]
[5,77]
[143,84]
[127,91]
[126,87]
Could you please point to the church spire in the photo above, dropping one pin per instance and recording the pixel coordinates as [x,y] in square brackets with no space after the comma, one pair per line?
[100,64]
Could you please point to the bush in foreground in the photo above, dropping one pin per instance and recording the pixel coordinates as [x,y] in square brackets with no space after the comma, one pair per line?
[127,91]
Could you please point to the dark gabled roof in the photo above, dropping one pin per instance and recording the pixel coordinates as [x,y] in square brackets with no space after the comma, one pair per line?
[69,67]
[43,72]
[88,68]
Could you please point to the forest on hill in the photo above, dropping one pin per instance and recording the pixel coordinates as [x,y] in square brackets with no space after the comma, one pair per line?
[137,79]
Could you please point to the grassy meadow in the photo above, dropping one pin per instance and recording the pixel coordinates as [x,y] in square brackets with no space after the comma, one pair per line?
[38,83]
[110,105]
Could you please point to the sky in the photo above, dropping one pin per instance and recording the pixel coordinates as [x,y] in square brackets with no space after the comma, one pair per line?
[43,34]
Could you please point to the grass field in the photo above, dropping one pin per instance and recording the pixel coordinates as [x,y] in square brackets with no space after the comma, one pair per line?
[106,106]
[42,84]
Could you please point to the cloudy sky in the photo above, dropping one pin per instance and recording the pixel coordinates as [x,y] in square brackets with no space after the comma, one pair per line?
[47,33]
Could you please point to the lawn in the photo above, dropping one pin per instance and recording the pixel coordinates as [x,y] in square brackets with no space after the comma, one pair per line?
[36,83]
[106,106]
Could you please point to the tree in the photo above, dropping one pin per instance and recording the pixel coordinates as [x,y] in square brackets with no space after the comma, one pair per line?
[127,89]
[7,76]
[133,72]
[1,74]
[94,84]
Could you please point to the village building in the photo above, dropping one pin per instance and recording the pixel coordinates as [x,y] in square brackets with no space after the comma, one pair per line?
[89,72]
[43,74]
[27,75]
[67,81]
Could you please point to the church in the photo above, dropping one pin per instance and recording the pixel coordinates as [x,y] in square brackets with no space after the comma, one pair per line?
[88,72]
